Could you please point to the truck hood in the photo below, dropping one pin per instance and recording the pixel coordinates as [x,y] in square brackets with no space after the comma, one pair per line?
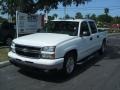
[43,39]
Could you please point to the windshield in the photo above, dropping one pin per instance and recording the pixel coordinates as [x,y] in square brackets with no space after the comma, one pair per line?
[63,27]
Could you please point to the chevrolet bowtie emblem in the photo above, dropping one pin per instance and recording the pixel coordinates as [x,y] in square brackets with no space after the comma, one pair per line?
[25,50]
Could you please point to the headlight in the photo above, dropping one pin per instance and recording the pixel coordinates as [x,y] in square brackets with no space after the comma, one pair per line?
[48,52]
[13,47]
[48,49]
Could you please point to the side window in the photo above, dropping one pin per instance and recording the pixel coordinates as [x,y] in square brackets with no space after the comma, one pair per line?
[93,27]
[84,30]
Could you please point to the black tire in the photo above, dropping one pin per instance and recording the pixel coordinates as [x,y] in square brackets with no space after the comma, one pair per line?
[8,41]
[69,63]
[103,47]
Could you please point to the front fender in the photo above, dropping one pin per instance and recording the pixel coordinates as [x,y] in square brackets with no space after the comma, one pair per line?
[61,51]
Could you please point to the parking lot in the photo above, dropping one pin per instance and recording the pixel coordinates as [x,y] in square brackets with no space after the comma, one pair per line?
[99,73]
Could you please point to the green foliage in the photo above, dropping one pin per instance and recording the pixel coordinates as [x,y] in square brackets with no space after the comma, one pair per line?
[10,6]
[78,15]
[100,24]
[93,16]
[50,18]
[87,16]
[2,20]
[106,11]
[67,16]
[55,15]
[54,3]
[105,18]
[5,24]
[116,20]
[32,6]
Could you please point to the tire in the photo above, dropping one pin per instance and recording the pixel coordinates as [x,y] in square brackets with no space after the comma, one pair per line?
[103,47]
[69,63]
[8,41]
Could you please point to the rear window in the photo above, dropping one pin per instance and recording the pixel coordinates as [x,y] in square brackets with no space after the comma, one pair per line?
[93,27]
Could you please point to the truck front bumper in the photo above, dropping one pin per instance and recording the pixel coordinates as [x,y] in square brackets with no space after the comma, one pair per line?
[45,64]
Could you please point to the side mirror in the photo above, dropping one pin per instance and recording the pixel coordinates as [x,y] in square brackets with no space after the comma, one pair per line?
[85,33]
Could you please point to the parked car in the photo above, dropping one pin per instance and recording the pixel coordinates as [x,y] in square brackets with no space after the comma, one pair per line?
[7,33]
[65,43]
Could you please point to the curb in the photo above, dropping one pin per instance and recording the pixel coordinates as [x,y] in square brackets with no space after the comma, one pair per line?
[5,63]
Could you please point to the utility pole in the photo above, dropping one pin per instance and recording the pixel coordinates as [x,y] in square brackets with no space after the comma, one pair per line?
[46,13]
[9,10]
[17,18]
[65,11]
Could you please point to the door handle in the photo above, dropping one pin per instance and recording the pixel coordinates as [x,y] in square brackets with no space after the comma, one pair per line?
[91,38]
[97,36]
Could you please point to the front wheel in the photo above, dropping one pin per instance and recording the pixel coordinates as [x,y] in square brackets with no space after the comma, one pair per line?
[69,63]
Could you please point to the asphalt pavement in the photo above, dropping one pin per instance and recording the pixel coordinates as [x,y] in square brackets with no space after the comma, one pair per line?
[99,73]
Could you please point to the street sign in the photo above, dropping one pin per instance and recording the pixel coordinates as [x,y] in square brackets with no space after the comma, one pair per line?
[28,24]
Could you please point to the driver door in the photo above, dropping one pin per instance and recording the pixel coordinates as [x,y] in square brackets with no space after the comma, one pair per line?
[85,40]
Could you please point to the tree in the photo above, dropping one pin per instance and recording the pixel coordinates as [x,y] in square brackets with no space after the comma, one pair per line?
[2,20]
[106,11]
[78,15]
[10,6]
[32,6]
[116,20]
[54,3]
[105,18]
[87,16]
[55,15]
[50,18]
[67,16]
[93,16]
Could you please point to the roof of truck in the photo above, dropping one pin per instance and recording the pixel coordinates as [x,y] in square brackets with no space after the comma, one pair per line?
[73,20]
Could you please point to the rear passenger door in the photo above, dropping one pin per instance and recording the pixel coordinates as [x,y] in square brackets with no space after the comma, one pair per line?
[94,35]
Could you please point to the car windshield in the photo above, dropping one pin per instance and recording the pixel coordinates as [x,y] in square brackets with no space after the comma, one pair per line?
[63,27]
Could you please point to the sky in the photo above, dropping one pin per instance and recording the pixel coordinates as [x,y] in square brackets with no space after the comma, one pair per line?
[95,6]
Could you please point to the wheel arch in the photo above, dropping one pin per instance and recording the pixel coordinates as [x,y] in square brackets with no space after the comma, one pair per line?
[74,52]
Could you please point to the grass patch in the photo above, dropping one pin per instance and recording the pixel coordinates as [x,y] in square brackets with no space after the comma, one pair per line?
[3,54]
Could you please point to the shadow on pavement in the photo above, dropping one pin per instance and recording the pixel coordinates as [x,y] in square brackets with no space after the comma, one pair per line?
[58,77]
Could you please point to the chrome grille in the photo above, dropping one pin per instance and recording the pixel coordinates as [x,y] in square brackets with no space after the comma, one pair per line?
[28,51]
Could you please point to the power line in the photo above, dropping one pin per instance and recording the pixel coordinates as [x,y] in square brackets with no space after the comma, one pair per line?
[85,9]
[97,8]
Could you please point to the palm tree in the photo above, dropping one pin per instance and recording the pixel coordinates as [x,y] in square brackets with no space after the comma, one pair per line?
[78,15]
[55,16]
[93,16]
[67,16]
[87,16]
[106,11]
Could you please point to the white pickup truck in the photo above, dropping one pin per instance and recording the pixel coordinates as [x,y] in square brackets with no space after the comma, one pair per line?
[64,43]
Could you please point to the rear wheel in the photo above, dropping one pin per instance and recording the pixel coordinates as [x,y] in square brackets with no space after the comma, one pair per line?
[103,47]
[69,63]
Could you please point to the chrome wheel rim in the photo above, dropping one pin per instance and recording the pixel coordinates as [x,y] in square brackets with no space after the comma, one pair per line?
[70,65]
